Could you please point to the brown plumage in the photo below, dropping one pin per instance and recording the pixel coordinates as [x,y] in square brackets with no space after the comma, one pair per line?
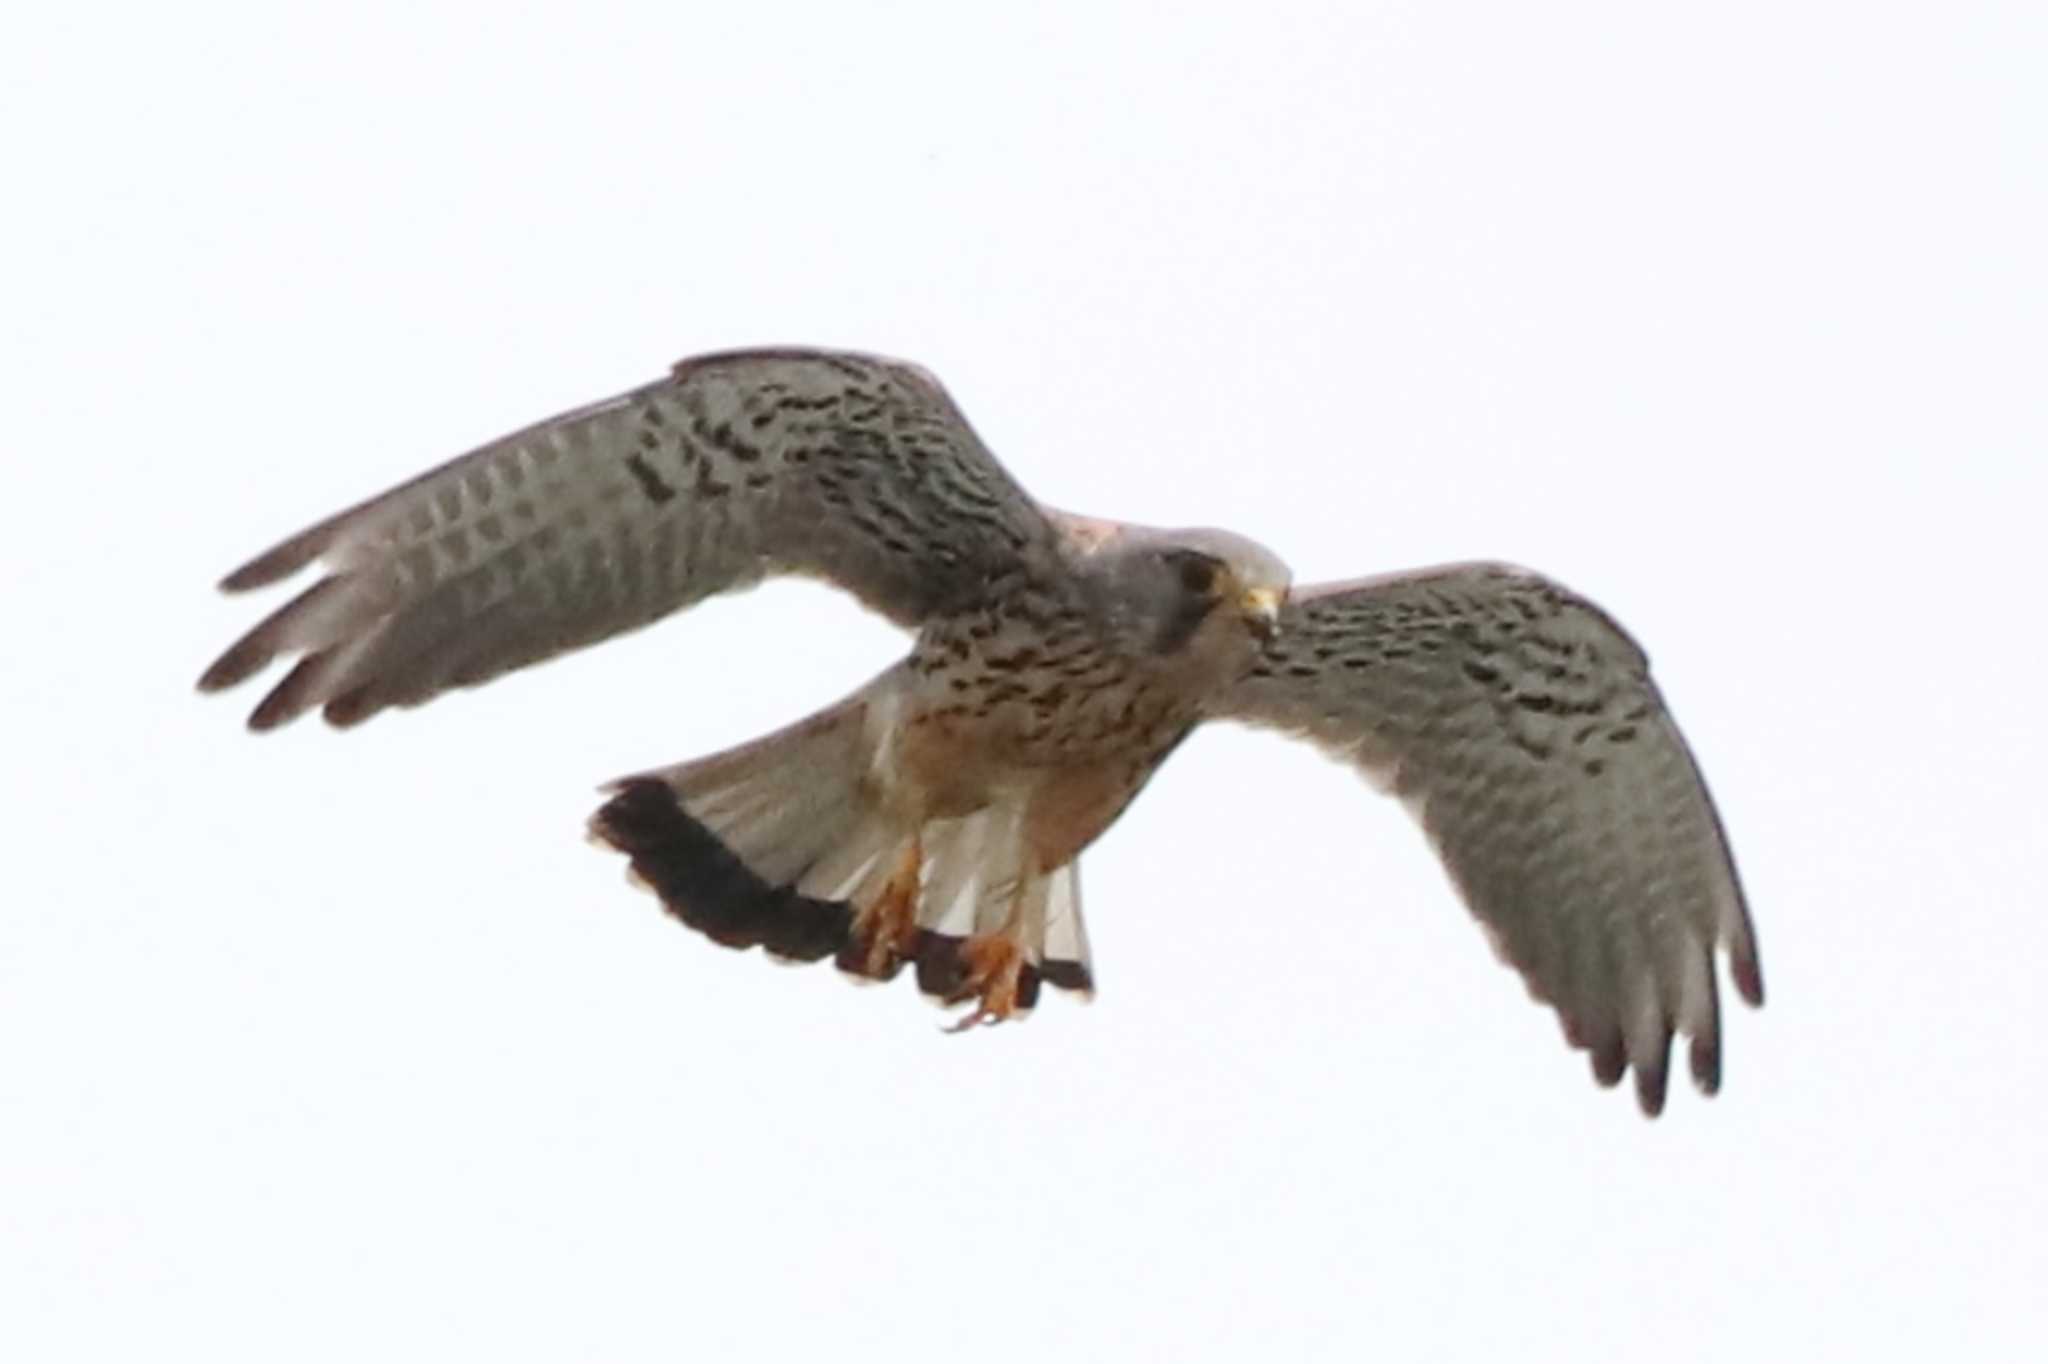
[936,816]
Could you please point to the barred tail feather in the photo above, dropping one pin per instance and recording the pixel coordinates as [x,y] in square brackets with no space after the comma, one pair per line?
[979,874]
[1066,961]
[781,843]
[727,841]
[704,885]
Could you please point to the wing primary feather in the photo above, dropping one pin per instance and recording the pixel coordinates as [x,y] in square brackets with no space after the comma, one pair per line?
[852,468]
[283,560]
[1605,1052]
[307,620]
[1705,1058]
[1520,723]
[1653,1075]
[1747,971]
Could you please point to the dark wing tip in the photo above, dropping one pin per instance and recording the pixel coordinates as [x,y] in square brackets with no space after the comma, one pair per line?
[253,574]
[1609,1061]
[1611,1057]
[276,633]
[1705,1058]
[243,660]
[291,697]
[1650,1087]
[1749,975]
[279,562]
[352,707]
[1653,1078]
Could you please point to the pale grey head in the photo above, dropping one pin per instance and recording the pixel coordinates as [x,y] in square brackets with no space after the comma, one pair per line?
[1193,594]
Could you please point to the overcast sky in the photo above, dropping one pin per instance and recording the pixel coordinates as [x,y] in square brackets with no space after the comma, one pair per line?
[333,1046]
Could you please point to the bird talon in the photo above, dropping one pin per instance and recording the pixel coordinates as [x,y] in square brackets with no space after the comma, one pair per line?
[974,1018]
[995,966]
[885,929]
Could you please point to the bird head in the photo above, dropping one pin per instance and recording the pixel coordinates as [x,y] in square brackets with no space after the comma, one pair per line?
[1208,591]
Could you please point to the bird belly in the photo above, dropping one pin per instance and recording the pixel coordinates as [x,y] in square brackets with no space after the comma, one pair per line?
[1074,780]
[1072,806]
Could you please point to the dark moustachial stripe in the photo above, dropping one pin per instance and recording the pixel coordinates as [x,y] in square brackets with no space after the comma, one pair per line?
[703,884]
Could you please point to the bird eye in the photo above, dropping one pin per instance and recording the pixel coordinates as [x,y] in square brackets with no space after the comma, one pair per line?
[1197,572]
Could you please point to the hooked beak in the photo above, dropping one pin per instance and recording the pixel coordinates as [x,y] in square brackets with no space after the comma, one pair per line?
[1260,607]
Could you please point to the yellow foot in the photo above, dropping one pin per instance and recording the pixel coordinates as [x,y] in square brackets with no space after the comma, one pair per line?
[995,970]
[885,929]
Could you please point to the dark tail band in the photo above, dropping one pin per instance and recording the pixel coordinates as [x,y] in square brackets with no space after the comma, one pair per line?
[705,886]
[702,883]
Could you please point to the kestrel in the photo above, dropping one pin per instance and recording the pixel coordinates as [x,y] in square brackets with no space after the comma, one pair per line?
[936,816]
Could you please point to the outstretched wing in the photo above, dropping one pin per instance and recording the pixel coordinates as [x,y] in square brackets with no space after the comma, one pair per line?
[852,468]
[1520,725]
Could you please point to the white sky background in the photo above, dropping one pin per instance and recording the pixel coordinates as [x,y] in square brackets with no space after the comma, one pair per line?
[345,1047]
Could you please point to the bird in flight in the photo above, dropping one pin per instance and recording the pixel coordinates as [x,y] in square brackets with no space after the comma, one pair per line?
[935,817]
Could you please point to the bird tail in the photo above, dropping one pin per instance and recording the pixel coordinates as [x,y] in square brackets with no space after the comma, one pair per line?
[783,843]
